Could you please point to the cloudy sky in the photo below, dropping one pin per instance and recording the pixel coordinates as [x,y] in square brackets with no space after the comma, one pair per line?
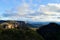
[30,10]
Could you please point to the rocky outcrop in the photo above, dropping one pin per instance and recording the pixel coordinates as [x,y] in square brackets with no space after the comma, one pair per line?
[12,24]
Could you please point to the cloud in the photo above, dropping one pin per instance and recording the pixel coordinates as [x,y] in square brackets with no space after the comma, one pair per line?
[30,12]
[21,11]
[52,12]
[49,12]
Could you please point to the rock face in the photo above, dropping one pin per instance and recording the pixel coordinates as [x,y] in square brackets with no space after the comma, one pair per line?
[11,24]
[7,25]
[49,32]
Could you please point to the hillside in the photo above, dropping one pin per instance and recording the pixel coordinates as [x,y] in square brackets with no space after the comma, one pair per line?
[16,34]
[18,30]
[50,31]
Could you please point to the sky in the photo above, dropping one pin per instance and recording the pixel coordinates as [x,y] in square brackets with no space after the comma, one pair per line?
[30,10]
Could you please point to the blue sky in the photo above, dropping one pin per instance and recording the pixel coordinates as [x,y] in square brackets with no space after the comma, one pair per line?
[30,10]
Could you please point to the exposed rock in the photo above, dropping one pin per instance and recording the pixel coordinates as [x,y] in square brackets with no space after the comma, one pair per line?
[12,24]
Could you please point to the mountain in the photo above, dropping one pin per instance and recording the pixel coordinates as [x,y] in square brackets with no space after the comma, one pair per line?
[50,31]
[9,24]
[23,23]
[19,34]
[37,24]
[17,30]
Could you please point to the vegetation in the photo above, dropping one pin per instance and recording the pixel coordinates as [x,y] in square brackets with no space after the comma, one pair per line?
[22,31]
[17,34]
[50,31]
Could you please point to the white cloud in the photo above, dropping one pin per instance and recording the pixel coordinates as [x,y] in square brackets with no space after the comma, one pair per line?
[52,11]
[23,9]
[48,12]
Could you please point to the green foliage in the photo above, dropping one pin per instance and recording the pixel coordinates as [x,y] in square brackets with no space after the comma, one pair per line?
[17,34]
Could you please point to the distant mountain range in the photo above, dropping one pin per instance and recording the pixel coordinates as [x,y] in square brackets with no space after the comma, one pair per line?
[30,24]
[37,24]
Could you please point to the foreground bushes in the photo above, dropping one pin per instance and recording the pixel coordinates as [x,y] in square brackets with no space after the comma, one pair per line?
[16,34]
